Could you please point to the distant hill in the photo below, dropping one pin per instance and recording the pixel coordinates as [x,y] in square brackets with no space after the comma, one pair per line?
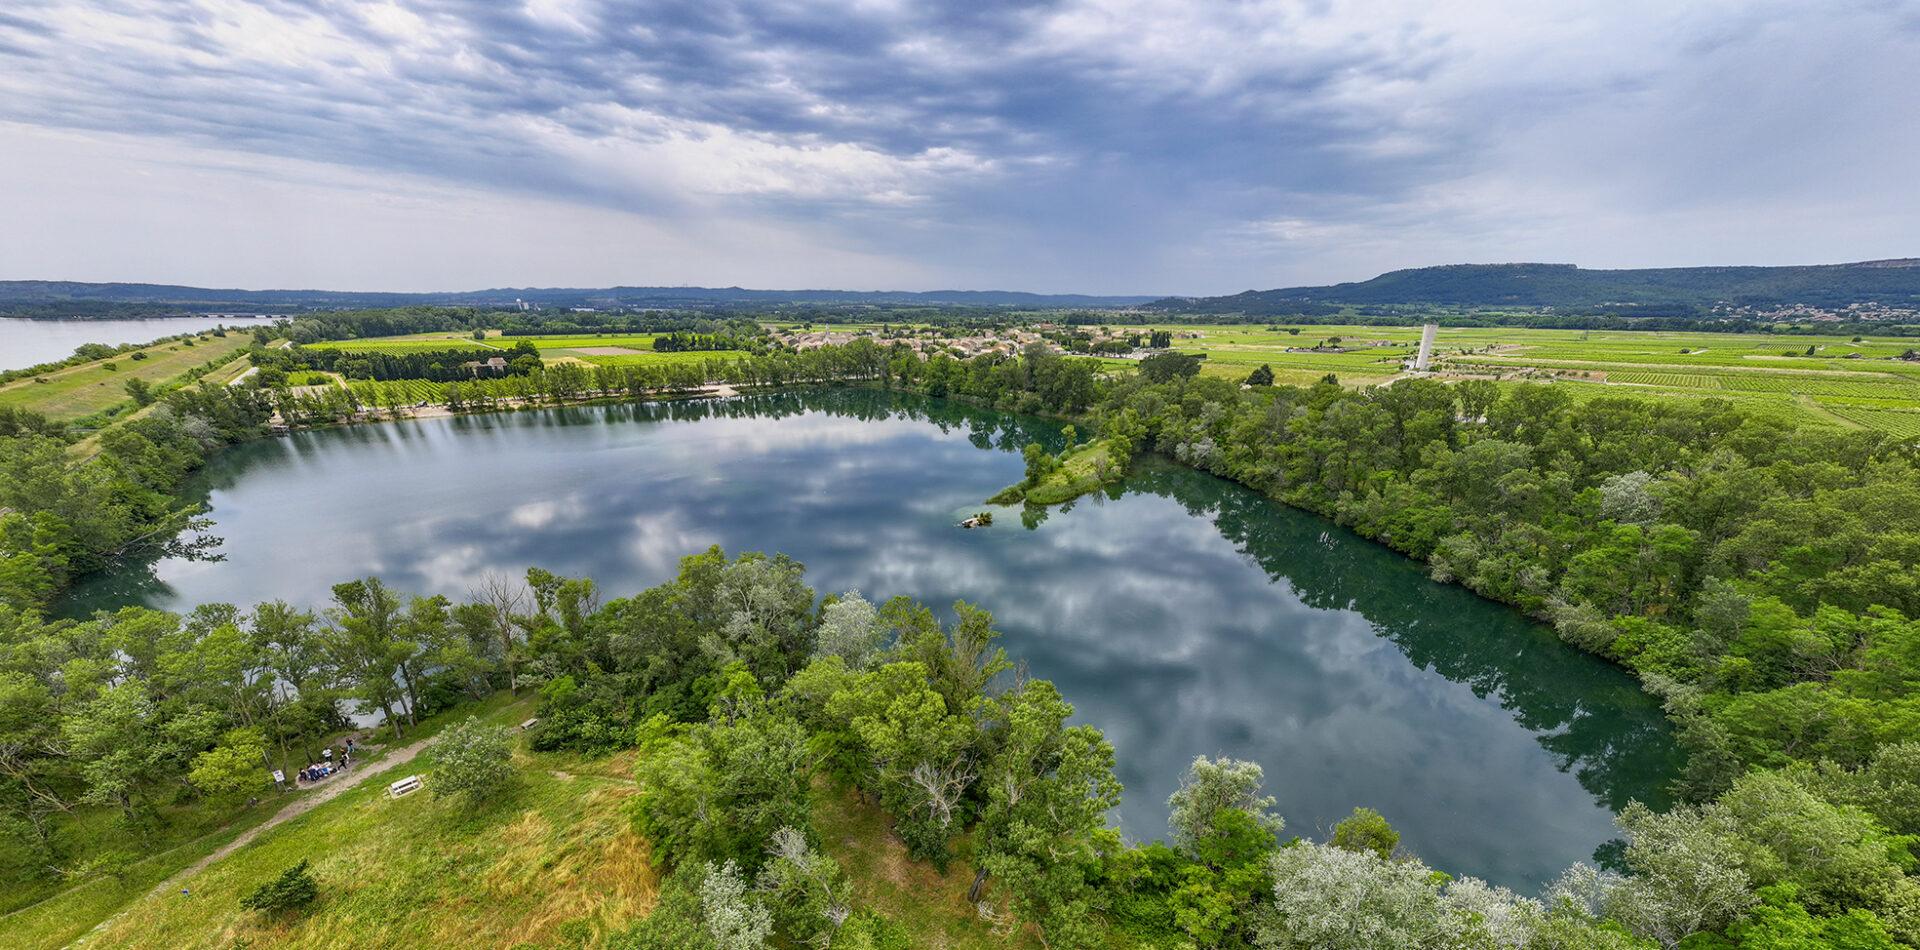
[1891,283]
[53,297]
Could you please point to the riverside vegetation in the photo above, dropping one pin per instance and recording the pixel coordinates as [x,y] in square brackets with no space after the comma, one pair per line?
[1761,581]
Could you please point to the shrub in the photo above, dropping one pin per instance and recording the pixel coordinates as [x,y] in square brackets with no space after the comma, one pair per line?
[289,893]
[473,759]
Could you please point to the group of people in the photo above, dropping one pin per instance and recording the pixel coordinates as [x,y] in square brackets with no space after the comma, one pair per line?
[326,766]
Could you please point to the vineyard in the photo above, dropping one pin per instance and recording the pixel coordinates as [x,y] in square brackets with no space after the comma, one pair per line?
[642,342]
[1902,424]
[1824,386]
[398,347]
[1665,380]
[399,391]
[663,358]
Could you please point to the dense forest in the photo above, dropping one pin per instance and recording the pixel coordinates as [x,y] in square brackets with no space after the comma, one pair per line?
[1762,582]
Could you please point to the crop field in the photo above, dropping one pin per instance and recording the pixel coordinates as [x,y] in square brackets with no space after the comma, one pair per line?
[630,341]
[400,390]
[400,347]
[1827,381]
[1899,423]
[1665,380]
[634,359]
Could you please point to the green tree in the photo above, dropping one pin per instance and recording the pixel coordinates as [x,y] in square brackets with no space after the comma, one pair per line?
[363,640]
[1210,789]
[1049,788]
[922,755]
[234,769]
[1261,377]
[1365,830]
[1168,367]
[720,789]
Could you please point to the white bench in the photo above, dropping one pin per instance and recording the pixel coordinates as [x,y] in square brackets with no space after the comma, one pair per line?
[411,783]
[529,724]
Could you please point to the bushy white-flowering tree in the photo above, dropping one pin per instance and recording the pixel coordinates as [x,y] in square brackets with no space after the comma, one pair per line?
[473,759]
[1331,898]
[806,887]
[849,630]
[1687,875]
[735,919]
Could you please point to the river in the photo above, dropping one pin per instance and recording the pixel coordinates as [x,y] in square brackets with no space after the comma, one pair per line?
[1182,614]
[25,343]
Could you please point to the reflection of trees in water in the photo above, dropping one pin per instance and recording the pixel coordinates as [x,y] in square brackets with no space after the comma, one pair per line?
[988,429]
[1592,718]
[123,582]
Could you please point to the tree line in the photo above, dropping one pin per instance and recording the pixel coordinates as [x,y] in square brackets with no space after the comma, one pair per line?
[1761,581]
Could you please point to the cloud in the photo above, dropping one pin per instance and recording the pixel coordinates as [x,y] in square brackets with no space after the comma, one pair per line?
[1113,145]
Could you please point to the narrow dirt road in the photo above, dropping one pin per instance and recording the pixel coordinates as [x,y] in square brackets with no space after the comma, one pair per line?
[302,803]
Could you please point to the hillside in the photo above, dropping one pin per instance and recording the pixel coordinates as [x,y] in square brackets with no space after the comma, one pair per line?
[1891,284]
[72,298]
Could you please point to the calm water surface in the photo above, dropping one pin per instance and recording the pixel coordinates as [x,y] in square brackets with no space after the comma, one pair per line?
[26,343]
[1185,616]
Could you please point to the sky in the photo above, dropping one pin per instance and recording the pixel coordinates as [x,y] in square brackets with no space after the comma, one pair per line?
[1081,146]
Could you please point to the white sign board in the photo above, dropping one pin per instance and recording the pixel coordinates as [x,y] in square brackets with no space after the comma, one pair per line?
[279,776]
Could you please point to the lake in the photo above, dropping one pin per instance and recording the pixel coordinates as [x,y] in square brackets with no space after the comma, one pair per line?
[26,343]
[1182,614]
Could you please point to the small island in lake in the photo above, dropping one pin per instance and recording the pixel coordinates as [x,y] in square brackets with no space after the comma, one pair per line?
[1079,469]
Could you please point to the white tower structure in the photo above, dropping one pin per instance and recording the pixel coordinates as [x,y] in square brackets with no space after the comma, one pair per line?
[1424,361]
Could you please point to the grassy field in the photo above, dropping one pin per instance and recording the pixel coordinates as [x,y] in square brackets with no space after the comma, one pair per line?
[1841,383]
[554,864]
[80,391]
[49,915]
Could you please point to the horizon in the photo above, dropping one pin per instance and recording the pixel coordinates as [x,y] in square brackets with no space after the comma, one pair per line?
[557,288]
[1143,149]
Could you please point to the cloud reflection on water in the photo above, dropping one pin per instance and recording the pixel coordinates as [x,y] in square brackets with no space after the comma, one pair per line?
[1186,617]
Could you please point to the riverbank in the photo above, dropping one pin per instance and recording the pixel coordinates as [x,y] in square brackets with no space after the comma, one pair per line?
[447,411]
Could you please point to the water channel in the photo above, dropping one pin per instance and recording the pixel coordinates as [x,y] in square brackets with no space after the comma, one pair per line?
[1182,614]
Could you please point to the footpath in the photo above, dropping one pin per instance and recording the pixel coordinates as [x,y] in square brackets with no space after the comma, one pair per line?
[302,803]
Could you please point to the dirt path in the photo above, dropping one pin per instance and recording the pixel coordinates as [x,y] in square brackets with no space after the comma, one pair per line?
[302,803]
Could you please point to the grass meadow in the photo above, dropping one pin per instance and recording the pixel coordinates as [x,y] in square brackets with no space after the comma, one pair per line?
[80,391]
